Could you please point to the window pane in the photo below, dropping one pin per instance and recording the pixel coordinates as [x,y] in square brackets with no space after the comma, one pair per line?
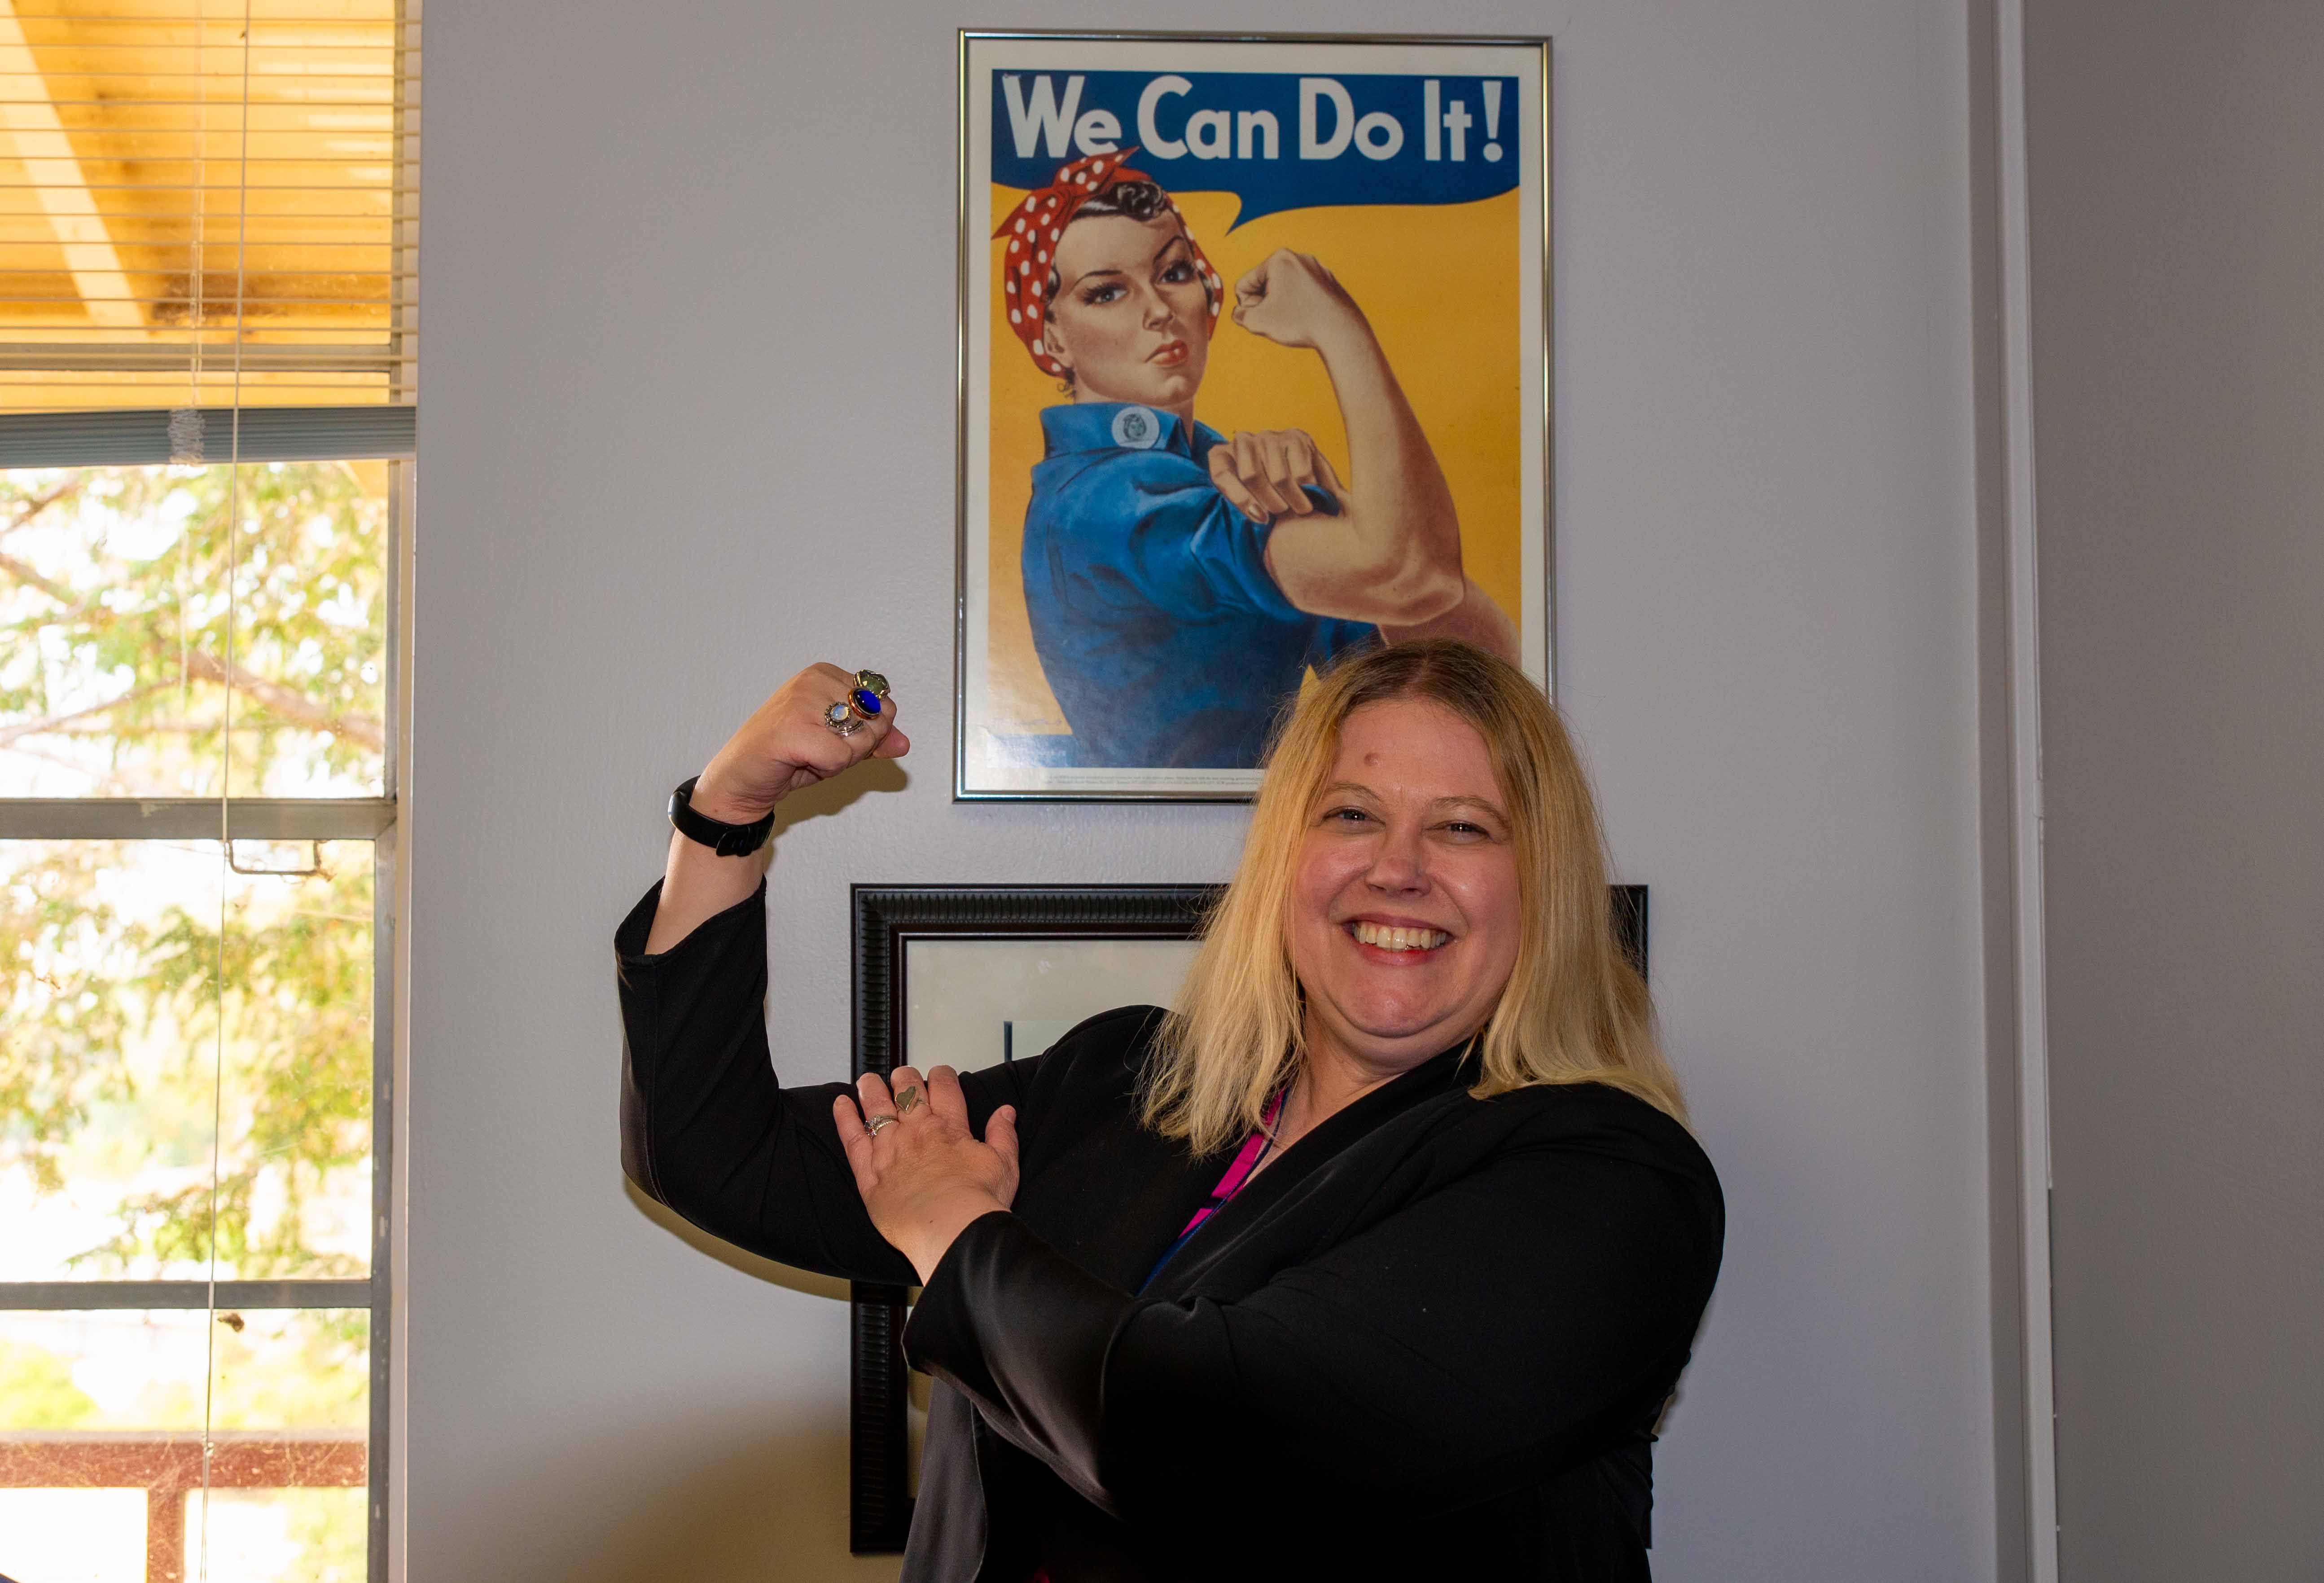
[114,1402]
[120,654]
[280,1535]
[110,1034]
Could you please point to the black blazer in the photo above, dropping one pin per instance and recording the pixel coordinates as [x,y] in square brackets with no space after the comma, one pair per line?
[1431,1340]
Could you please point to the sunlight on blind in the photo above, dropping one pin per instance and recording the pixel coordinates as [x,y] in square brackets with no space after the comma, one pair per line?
[155,177]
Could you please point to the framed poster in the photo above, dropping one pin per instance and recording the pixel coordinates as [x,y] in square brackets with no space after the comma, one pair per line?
[1254,354]
[969,975]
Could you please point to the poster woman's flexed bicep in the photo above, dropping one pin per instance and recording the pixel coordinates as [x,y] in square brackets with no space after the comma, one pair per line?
[1393,554]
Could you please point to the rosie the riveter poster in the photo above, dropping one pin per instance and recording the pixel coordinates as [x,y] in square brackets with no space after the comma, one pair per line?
[1254,374]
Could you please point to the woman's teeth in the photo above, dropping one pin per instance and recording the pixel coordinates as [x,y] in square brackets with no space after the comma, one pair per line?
[1400,940]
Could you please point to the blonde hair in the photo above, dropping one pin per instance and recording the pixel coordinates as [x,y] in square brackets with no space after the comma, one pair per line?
[1574,1011]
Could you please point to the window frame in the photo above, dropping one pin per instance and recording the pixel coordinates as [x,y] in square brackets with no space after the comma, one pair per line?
[376,820]
[65,436]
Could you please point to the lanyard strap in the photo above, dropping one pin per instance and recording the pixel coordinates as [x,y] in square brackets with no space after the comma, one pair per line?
[1239,1172]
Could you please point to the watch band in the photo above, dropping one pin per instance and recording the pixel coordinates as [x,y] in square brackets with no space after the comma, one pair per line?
[726,841]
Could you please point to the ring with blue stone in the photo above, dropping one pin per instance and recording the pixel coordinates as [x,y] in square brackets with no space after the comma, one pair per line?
[865,704]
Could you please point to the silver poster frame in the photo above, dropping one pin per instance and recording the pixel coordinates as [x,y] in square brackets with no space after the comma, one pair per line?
[968,37]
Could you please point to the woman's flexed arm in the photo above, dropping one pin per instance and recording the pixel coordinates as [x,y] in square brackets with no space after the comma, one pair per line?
[706,1127]
[1393,555]
[783,747]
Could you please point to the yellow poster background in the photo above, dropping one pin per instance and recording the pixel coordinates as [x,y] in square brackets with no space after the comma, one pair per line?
[1438,284]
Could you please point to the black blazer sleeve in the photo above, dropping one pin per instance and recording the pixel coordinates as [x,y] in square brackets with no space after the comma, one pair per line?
[1511,1323]
[707,1128]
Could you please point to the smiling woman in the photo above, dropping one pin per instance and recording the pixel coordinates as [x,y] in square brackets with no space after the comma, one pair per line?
[1406,906]
[1431,793]
[1393,1224]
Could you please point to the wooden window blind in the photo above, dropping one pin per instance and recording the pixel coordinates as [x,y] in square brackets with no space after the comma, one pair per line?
[206,206]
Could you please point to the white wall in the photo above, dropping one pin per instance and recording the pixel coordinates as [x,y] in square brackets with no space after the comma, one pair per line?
[2177,204]
[688,425]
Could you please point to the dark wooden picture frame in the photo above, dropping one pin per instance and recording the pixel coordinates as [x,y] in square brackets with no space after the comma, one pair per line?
[887,920]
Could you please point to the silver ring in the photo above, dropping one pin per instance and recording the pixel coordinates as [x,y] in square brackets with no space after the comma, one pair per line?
[872,1124]
[842,719]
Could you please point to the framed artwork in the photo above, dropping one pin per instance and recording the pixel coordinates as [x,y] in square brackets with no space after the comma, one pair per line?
[1254,364]
[968,975]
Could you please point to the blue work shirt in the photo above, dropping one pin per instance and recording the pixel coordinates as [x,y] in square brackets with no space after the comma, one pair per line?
[1161,633]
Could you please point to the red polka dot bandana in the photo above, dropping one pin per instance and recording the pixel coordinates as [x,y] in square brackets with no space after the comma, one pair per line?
[1033,228]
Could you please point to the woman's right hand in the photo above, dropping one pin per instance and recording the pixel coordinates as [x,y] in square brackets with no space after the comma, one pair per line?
[786,744]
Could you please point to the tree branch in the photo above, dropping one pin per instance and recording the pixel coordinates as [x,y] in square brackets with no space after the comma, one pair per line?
[285,702]
[108,784]
[33,508]
[24,573]
[9,734]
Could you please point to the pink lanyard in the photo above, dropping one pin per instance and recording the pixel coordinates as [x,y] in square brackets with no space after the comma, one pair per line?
[1246,1161]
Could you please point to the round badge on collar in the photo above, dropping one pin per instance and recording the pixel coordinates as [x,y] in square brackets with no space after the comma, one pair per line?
[1137,429]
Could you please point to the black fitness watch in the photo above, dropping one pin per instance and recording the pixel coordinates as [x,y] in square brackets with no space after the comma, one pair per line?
[726,841]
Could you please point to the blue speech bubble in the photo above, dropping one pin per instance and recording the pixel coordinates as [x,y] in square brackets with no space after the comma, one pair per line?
[1277,141]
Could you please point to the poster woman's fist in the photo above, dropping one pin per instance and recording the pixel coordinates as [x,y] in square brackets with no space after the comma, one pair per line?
[787,744]
[1295,301]
[1266,474]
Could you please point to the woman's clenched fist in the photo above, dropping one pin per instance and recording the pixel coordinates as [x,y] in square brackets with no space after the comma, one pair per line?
[786,744]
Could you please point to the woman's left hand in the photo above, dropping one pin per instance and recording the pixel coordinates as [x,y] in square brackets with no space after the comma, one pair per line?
[923,1175]
[1264,474]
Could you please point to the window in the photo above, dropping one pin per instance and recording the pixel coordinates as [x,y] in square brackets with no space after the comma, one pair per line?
[208,388]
